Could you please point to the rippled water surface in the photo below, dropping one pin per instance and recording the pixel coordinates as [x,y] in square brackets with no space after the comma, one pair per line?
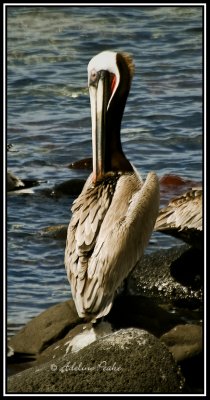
[49,126]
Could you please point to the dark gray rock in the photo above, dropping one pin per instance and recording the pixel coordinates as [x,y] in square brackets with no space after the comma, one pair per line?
[72,187]
[127,361]
[45,329]
[173,275]
[86,163]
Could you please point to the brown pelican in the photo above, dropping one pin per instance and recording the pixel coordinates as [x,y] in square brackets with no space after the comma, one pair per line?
[182,217]
[115,213]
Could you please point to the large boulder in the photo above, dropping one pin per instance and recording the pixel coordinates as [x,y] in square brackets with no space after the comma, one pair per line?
[127,361]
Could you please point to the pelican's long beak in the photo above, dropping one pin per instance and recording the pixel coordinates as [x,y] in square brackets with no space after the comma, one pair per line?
[99,89]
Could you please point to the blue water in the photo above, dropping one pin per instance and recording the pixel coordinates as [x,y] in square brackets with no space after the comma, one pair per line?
[48,122]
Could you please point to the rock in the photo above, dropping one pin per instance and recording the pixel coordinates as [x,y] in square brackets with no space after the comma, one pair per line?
[86,163]
[72,187]
[127,361]
[174,185]
[14,183]
[127,311]
[185,342]
[75,340]
[55,232]
[173,275]
[57,336]
[45,329]
[45,336]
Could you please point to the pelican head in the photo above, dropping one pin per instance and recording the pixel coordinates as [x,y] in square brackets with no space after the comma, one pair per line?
[109,81]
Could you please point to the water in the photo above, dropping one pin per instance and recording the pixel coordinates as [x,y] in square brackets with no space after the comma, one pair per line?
[48,122]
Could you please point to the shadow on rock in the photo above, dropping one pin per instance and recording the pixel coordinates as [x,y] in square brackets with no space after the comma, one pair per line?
[141,312]
[188,268]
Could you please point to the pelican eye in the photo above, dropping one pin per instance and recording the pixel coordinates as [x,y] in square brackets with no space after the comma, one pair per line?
[93,75]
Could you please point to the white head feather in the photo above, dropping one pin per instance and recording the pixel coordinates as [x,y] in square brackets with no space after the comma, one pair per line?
[107,60]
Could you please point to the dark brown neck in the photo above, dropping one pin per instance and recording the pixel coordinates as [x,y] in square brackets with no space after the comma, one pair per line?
[115,159]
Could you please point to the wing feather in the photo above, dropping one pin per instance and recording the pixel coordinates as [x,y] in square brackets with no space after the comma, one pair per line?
[183,212]
[88,212]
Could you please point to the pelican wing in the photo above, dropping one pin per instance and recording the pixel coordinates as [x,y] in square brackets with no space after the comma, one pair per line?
[183,212]
[88,212]
[123,236]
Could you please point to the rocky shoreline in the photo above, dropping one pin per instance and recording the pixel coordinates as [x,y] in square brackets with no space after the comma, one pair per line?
[151,341]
